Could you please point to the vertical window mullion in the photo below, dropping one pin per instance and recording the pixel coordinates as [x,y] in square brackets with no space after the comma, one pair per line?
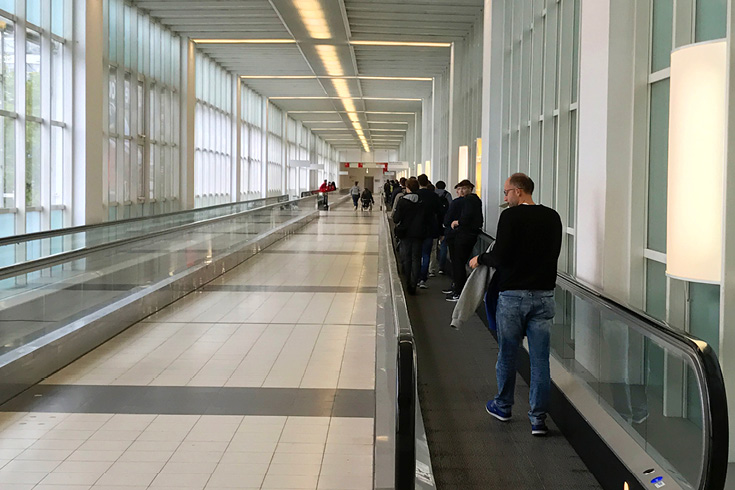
[20,122]
[45,76]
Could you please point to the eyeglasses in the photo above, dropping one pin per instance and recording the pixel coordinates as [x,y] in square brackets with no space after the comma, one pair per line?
[506,191]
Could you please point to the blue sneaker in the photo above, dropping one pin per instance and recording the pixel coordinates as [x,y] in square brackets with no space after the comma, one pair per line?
[539,430]
[496,412]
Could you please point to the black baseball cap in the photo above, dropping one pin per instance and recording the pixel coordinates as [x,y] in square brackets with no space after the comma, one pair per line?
[465,183]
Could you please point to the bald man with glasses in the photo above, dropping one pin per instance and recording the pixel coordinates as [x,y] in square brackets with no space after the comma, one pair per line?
[524,256]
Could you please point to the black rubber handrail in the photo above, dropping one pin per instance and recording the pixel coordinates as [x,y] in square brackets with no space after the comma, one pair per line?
[406,382]
[61,257]
[706,364]
[40,235]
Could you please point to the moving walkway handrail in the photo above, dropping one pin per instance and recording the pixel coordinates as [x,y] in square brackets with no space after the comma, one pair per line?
[51,260]
[705,362]
[406,380]
[708,370]
[71,230]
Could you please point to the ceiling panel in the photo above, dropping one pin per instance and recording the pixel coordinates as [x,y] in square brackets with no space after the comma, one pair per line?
[330,54]
[217,19]
[395,88]
[286,87]
[414,20]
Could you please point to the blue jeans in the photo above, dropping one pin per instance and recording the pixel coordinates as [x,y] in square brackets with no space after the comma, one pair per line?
[425,258]
[355,197]
[520,313]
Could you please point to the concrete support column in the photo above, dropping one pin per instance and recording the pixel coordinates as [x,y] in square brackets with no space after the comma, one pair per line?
[492,115]
[236,167]
[727,288]
[188,121]
[87,147]
[453,131]
[594,73]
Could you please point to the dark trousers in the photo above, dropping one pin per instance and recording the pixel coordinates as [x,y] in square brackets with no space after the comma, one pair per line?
[410,251]
[460,250]
[355,197]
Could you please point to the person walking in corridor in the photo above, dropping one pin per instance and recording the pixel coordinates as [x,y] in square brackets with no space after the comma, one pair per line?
[464,231]
[525,256]
[410,218]
[355,193]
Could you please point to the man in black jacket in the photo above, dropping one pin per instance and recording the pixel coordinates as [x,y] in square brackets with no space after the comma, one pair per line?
[410,220]
[525,254]
[464,231]
[433,210]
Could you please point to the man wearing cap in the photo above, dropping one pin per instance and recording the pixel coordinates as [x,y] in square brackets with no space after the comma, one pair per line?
[464,235]
[524,255]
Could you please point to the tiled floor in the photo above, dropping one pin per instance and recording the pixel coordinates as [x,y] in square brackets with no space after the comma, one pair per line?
[285,328]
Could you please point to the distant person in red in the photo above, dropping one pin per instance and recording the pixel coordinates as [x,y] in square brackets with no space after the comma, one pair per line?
[332,186]
[324,187]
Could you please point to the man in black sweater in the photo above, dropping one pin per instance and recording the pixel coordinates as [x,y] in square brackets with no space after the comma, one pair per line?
[410,219]
[464,231]
[525,254]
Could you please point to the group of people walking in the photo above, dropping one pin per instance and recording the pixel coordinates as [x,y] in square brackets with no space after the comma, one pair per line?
[524,259]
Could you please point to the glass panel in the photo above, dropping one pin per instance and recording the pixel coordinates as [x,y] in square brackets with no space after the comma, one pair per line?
[661,35]
[57,165]
[7,162]
[7,228]
[645,386]
[704,313]
[7,50]
[57,17]
[656,289]
[126,170]
[112,170]
[128,44]
[141,172]
[126,105]
[112,100]
[575,51]
[711,20]
[658,165]
[33,12]
[33,73]
[8,6]
[112,30]
[572,168]
[33,164]
[57,81]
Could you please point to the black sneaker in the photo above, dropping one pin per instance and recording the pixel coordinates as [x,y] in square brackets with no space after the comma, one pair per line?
[453,298]
[449,290]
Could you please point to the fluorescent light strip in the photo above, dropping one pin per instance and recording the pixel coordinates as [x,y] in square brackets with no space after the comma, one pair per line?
[401,43]
[349,98]
[244,41]
[342,112]
[345,77]
[312,15]
[386,122]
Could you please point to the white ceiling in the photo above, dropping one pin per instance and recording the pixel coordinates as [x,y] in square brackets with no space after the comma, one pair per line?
[345,20]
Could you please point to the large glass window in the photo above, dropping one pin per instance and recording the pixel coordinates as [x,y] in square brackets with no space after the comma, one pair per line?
[213,132]
[250,143]
[540,78]
[143,121]
[703,299]
[34,128]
